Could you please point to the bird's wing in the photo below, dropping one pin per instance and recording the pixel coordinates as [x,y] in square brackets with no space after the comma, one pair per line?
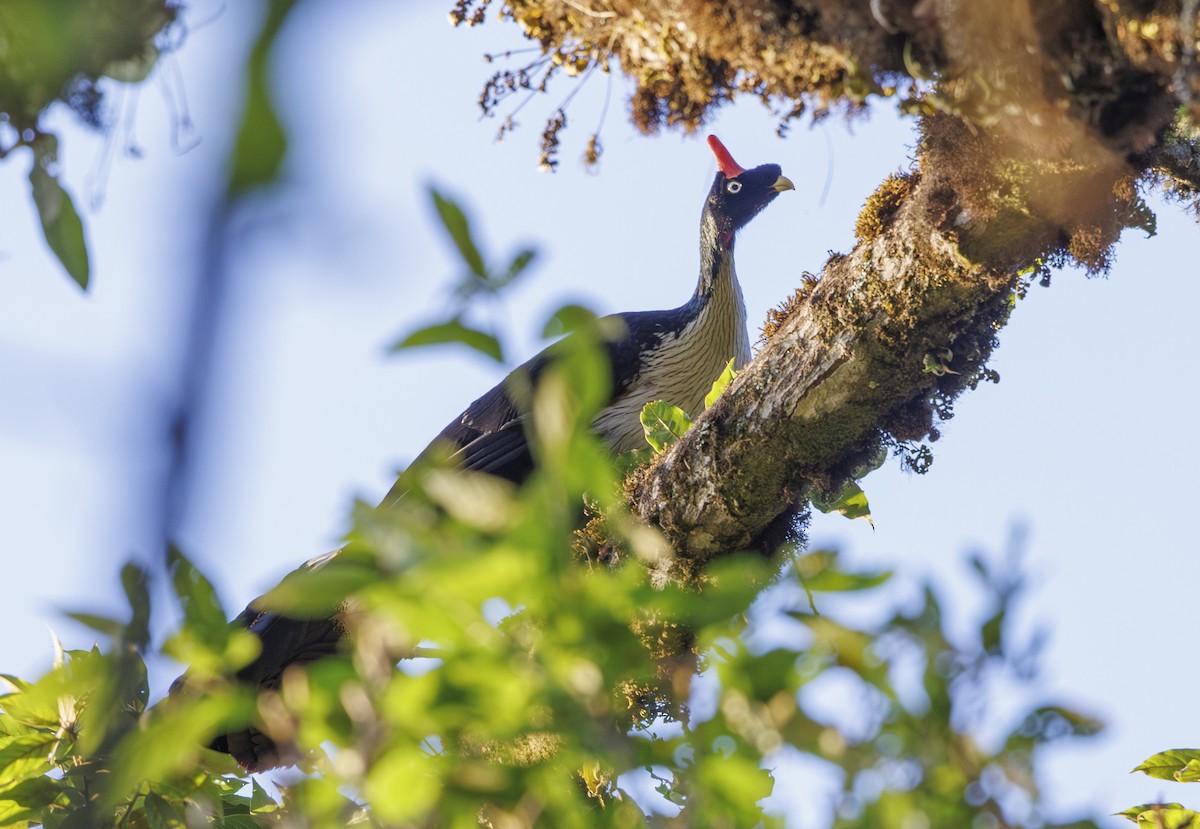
[489,436]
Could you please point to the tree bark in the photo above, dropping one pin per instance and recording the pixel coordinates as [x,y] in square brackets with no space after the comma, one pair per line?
[1040,120]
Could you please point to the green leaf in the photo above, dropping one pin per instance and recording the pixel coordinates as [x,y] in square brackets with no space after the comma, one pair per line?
[567,319]
[456,224]
[16,682]
[163,814]
[836,581]
[664,424]
[1166,764]
[61,224]
[26,755]
[260,801]
[518,265]
[731,586]
[850,502]
[1189,773]
[135,580]
[100,624]
[453,331]
[261,140]
[202,611]
[171,741]
[36,707]
[315,592]
[26,800]
[1169,817]
[1133,811]
[720,384]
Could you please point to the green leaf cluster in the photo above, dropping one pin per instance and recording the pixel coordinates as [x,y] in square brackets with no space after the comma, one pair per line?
[80,748]
[477,280]
[491,678]
[1181,765]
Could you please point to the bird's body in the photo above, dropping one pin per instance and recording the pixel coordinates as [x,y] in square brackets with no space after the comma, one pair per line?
[672,355]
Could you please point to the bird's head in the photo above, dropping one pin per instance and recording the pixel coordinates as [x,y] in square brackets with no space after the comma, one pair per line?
[738,194]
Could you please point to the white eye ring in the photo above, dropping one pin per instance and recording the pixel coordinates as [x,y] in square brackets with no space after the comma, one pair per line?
[733,186]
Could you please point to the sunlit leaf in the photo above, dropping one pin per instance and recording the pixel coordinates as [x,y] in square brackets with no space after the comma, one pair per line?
[400,786]
[16,683]
[850,502]
[25,755]
[720,384]
[26,800]
[731,586]
[663,424]
[1168,817]
[1166,764]
[453,331]
[1133,811]
[732,785]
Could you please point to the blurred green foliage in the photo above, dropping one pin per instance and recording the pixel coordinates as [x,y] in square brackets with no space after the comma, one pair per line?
[64,52]
[534,690]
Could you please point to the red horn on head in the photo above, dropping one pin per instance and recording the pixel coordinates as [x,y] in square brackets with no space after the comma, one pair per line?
[725,161]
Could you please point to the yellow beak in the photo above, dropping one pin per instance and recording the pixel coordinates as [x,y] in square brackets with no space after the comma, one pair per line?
[783,183]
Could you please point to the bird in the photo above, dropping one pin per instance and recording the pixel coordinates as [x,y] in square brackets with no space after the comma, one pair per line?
[672,355]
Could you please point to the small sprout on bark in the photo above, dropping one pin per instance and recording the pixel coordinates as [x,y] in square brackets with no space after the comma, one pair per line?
[937,362]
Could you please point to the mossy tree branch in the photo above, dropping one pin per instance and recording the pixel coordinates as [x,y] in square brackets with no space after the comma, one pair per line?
[892,332]
[1040,122]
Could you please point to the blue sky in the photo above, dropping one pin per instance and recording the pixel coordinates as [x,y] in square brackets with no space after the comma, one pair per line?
[1084,446]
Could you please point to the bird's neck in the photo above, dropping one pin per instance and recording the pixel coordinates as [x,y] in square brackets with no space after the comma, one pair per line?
[716,257]
[718,303]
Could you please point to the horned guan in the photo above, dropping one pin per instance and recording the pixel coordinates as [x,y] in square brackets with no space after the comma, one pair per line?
[673,355]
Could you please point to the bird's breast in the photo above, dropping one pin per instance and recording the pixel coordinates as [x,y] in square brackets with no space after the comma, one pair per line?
[680,365]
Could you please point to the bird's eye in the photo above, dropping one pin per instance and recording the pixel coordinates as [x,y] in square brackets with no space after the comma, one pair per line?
[733,186]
